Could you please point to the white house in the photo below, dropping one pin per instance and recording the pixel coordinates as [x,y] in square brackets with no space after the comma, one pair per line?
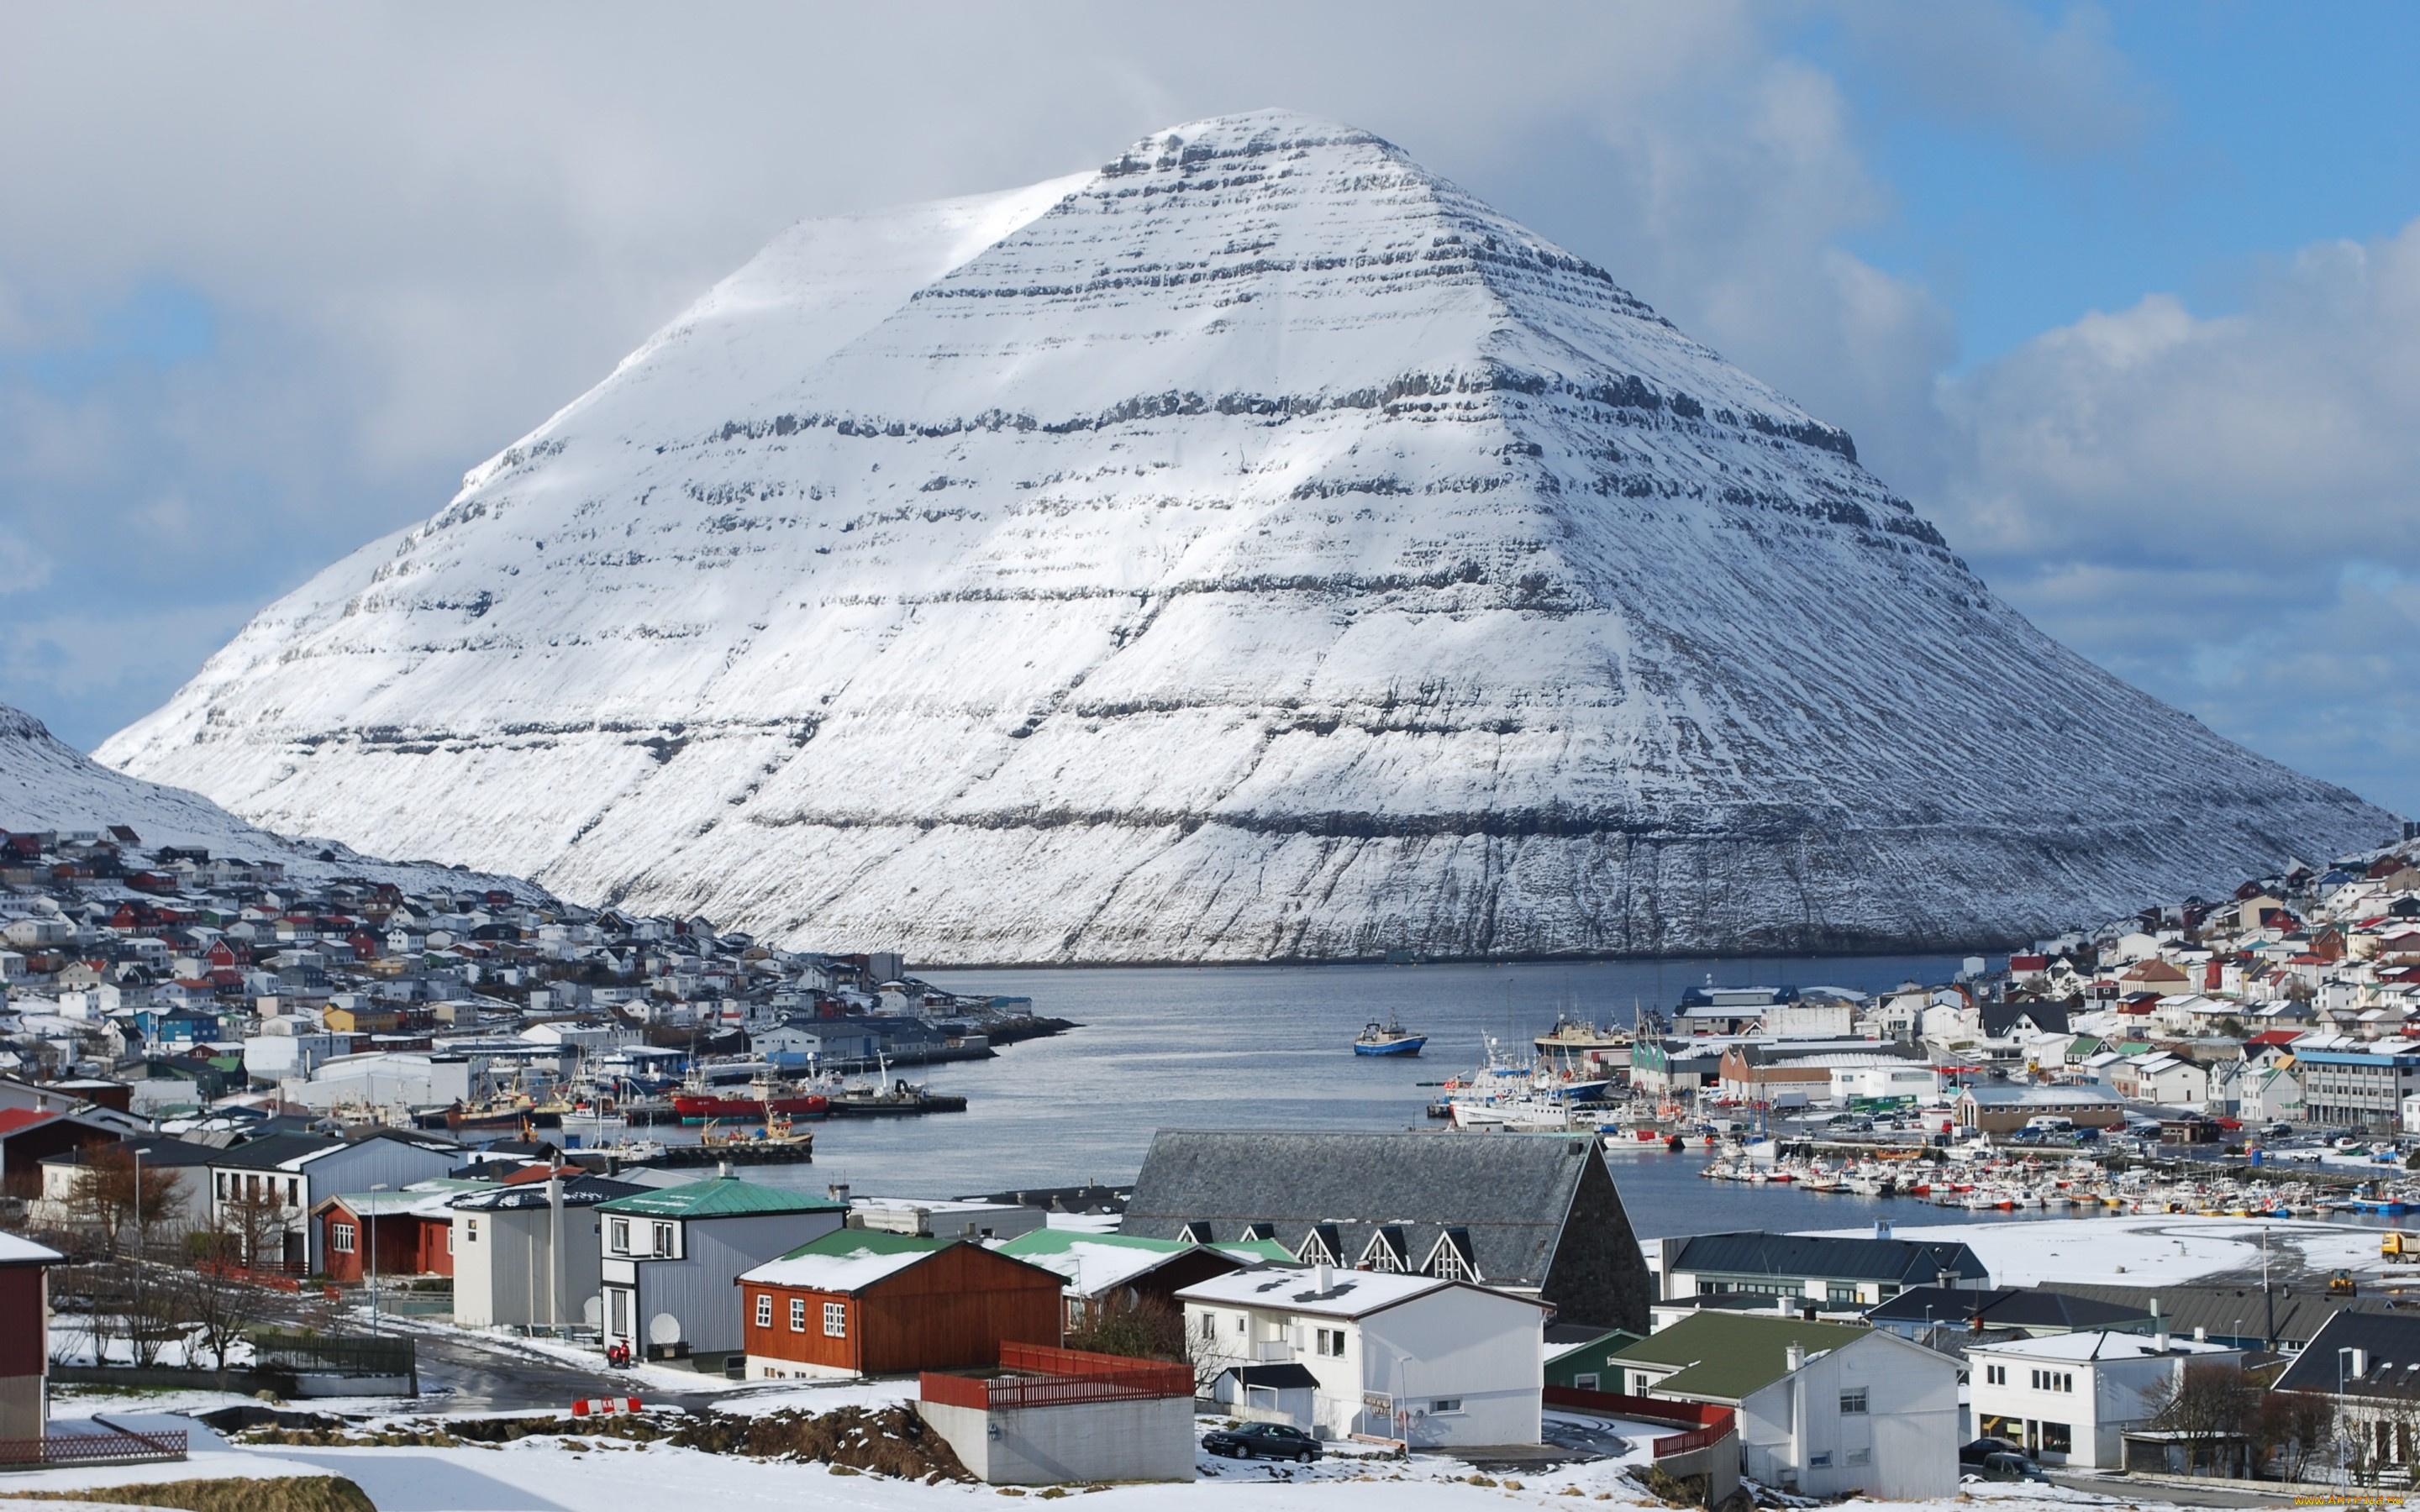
[2069,1397]
[1877,1416]
[1400,1356]
[298,1172]
[531,1252]
[670,1258]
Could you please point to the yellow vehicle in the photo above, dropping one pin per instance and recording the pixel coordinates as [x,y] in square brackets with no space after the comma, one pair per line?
[2397,1244]
[2340,1284]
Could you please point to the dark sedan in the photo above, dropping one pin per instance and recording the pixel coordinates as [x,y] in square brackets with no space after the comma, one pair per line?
[1262,1440]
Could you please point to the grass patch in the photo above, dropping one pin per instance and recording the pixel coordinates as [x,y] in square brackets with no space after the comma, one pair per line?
[289,1493]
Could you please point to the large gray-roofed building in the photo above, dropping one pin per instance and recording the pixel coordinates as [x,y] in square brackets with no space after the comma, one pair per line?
[1535,1213]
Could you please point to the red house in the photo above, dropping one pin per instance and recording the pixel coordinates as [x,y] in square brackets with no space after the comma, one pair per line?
[413,1233]
[24,1336]
[862,1303]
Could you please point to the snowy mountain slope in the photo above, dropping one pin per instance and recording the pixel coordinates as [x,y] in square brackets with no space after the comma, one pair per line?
[1259,548]
[48,785]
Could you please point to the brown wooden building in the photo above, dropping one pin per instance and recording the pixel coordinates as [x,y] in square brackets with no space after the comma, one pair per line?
[413,1233]
[863,1303]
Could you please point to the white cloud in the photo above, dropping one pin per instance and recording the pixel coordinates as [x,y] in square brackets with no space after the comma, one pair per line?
[2225,509]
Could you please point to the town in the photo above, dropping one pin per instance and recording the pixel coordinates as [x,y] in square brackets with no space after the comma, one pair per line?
[278,1153]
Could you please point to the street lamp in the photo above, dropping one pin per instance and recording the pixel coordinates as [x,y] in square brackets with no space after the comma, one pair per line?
[369,1221]
[2342,1437]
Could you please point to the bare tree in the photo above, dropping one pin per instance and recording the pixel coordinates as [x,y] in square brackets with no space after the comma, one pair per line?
[218,1301]
[2207,1406]
[2294,1428]
[115,1204]
[1140,1327]
[254,1219]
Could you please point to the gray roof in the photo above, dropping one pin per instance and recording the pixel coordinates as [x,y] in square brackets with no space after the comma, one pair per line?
[2390,1359]
[2009,1307]
[2238,1312]
[1510,1192]
[578,1192]
[1907,1261]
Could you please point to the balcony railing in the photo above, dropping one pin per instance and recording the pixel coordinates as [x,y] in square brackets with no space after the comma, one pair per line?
[1043,1375]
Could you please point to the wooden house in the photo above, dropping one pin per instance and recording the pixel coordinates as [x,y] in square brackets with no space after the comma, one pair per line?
[24,1336]
[863,1303]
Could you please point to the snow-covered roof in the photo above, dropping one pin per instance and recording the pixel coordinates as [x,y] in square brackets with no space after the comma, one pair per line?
[2091,1347]
[848,1260]
[1348,1294]
[17,1251]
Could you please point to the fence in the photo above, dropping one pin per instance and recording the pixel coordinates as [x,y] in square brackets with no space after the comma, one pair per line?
[122,1447]
[1058,1378]
[1677,1444]
[333,1354]
[1642,1409]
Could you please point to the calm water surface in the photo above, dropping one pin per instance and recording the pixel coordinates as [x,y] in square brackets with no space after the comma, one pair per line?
[1270,1048]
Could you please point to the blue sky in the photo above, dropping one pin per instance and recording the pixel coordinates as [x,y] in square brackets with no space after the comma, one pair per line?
[2126,299]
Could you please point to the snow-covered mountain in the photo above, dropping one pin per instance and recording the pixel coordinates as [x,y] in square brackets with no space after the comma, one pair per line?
[48,785]
[1258,548]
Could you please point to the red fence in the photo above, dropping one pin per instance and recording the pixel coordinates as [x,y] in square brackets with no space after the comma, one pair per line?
[1643,1409]
[1058,1378]
[1695,1438]
[94,1449]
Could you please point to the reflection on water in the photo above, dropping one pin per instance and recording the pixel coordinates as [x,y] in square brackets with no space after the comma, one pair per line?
[1270,1048]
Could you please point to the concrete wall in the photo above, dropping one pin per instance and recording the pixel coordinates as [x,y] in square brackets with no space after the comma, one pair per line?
[1085,1442]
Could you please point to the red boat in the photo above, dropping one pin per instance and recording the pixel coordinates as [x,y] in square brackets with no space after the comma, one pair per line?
[701,1107]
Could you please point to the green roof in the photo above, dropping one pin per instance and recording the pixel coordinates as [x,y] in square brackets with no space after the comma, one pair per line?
[867,1242]
[720,1197]
[1727,1356]
[1060,1241]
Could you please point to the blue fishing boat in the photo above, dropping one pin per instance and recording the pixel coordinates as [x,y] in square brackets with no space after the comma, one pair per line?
[1388,1039]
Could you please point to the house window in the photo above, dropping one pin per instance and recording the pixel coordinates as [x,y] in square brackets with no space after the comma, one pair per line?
[764,1309]
[1330,1343]
[293,1190]
[664,1240]
[449,1240]
[471,1230]
[344,1237]
[2053,1381]
[1840,1294]
[1995,1375]
[1446,1404]
[1854,1399]
[1639,1383]
[835,1320]
[1209,1325]
[1584,1383]
[798,1315]
[621,1236]
[2057,1438]
[1859,1457]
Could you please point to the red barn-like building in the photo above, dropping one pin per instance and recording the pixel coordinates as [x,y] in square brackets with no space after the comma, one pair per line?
[24,1336]
[862,1303]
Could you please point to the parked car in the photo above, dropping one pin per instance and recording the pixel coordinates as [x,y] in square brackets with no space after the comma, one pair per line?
[1974,1454]
[2007,1467]
[1262,1440]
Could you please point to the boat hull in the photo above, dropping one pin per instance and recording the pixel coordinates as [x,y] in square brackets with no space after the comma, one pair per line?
[1390,1047]
[693,1108]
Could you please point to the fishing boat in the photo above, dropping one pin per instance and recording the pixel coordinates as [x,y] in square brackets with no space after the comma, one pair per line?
[1388,1039]
[1579,1043]
[701,1101]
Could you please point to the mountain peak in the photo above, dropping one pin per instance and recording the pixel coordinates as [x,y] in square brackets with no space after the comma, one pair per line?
[1258,548]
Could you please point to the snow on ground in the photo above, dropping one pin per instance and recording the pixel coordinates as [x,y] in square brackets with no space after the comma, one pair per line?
[548,1475]
[2146,1249]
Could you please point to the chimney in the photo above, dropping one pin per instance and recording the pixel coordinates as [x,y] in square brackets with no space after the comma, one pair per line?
[1322,1278]
[1794,1357]
[722,1170]
[838,1191]
[1882,1228]
[1784,1305]
[2158,1328]
[2201,1333]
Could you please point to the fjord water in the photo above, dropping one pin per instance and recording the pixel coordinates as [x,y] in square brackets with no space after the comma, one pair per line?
[1270,1048]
